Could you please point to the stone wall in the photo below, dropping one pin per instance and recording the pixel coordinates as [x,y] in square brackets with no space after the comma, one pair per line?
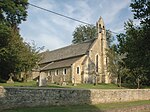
[29,97]
[119,95]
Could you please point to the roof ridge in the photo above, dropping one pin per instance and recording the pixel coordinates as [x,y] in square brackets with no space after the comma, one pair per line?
[67,51]
[86,41]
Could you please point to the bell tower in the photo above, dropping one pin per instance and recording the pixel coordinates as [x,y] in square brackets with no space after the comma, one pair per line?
[101,33]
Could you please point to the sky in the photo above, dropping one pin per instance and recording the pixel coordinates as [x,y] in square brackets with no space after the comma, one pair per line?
[53,32]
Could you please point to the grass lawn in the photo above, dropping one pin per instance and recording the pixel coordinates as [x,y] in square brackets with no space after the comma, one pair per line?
[87,86]
[19,84]
[82,86]
[81,108]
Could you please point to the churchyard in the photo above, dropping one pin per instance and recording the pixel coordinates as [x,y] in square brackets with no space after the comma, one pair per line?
[80,76]
[82,86]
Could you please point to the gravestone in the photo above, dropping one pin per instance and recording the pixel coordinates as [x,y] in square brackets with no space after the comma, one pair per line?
[42,80]
[10,80]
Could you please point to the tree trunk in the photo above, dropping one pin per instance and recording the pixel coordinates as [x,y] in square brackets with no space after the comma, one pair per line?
[120,81]
[138,83]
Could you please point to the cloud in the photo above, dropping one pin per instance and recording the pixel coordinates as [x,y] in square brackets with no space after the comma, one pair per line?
[111,9]
[50,41]
[53,31]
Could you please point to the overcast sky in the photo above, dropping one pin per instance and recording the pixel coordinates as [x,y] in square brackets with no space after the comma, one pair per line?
[53,31]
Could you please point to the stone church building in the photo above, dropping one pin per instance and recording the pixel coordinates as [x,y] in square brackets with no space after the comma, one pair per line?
[77,63]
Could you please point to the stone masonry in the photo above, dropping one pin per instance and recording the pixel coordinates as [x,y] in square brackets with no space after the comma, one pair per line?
[12,97]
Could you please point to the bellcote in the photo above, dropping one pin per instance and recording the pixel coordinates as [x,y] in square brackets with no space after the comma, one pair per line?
[100,26]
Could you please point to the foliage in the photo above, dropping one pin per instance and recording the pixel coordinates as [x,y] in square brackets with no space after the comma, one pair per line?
[87,32]
[12,12]
[135,42]
[116,64]
[141,9]
[132,43]
[109,38]
[83,33]
[15,54]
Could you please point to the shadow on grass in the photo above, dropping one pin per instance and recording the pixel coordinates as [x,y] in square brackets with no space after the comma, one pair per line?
[72,108]
[142,106]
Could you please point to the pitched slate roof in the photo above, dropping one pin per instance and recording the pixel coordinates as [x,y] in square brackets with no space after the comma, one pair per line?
[73,50]
[60,64]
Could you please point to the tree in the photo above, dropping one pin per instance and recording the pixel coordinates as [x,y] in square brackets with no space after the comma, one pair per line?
[141,9]
[132,43]
[87,32]
[109,38]
[116,64]
[13,12]
[15,54]
[135,42]
[4,42]
[83,33]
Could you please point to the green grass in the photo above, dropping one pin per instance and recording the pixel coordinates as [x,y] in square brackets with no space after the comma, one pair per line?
[81,108]
[19,84]
[87,86]
[122,104]
[80,86]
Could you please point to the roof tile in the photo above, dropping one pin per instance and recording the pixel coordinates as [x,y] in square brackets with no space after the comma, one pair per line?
[73,50]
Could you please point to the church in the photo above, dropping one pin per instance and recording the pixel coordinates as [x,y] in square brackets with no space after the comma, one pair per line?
[77,63]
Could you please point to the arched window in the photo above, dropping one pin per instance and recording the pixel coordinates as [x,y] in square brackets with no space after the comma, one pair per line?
[96,63]
[78,70]
[56,72]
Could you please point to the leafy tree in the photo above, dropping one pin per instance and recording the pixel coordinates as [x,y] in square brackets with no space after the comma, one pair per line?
[15,54]
[141,9]
[135,42]
[13,12]
[88,32]
[109,38]
[132,43]
[116,64]
[83,33]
